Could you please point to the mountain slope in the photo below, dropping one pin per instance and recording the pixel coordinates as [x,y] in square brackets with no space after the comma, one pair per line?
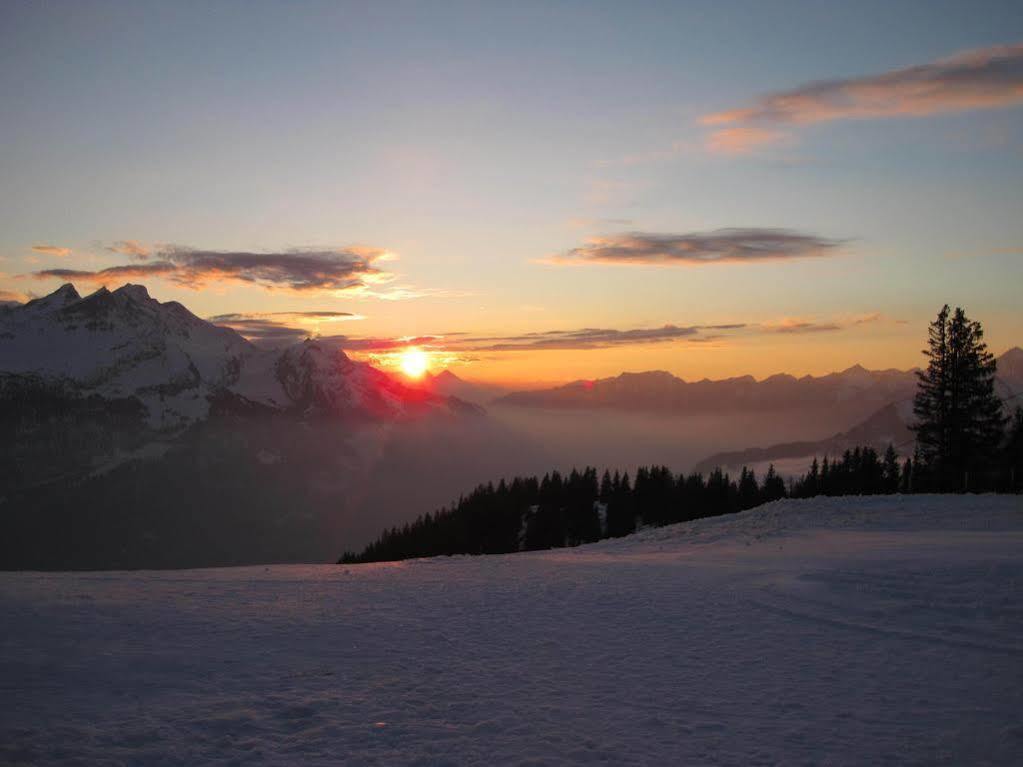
[124,344]
[887,425]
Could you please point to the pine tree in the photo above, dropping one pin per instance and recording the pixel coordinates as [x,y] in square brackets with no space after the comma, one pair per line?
[959,417]
[774,485]
[890,470]
[749,491]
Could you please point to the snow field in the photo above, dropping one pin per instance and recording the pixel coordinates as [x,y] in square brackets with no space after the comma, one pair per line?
[838,631]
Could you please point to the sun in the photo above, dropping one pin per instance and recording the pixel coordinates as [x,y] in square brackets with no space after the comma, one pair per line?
[414,362]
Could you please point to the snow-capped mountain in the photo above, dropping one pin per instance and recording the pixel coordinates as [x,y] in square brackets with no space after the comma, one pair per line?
[125,344]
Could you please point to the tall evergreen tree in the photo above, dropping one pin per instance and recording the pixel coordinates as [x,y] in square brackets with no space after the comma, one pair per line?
[959,416]
[774,485]
[890,470]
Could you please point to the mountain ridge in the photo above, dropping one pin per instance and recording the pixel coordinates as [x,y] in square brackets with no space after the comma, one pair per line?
[125,344]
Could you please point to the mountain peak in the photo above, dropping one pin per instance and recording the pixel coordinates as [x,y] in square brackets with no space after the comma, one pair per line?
[62,296]
[66,291]
[136,292]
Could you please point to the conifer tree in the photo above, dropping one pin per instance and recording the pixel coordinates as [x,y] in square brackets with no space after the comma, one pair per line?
[774,485]
[959,416]
[890,470]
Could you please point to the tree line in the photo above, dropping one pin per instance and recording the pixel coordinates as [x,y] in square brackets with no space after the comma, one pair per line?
[964,443]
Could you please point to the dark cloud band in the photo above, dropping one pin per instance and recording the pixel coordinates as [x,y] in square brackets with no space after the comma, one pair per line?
[300,270]
[720,246]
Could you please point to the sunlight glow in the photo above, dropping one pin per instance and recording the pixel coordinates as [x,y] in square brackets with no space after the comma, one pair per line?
[414,362]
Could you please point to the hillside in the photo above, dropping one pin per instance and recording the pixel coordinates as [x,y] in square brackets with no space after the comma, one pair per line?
[843,631]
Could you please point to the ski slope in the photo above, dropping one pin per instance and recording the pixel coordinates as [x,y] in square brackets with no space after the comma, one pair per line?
[839,631]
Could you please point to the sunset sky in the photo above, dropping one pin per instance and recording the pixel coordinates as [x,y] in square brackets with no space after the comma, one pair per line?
[529,191]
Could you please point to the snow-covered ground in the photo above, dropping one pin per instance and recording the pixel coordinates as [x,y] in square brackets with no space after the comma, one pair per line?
[832,631]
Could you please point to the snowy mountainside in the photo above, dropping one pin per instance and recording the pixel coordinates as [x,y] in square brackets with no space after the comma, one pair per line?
[840,631]
[124,344]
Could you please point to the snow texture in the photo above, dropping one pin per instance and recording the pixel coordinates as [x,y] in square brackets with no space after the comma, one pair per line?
[845,631]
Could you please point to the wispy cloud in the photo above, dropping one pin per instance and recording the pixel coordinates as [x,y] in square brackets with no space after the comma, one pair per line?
[795,326]
[297,269]
[275,327]
[720,246]
[585,339]
[798,325]
[12,297]
[52,250]
[111,274]
[132,248]
[979,79]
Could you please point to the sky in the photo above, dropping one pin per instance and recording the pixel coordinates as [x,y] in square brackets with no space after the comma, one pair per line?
[528,191]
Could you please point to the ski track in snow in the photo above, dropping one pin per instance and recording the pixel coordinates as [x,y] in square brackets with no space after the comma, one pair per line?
[833,632]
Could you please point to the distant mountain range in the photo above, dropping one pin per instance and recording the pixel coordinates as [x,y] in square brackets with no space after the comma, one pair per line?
[888,425]
[447,384]
[854,389]
[855,392]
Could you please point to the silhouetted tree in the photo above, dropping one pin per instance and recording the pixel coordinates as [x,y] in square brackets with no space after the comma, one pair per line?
[774,485]
[959,417]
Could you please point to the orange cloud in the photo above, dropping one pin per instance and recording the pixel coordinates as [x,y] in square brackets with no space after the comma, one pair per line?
[299,270]
[743,139]
[132,248]
[981,79]
[12,297]
[52,250]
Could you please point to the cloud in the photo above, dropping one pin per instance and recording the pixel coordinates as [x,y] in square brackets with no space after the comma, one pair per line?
[275,327]
[720,246]
[299,269]
[265,331]
[580,339]
[112,274]
[794,326]
[987,78]
[318,316]
[8,297]
[132,248]
[585,339]
[354,344]
[52,250]
[743,139]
